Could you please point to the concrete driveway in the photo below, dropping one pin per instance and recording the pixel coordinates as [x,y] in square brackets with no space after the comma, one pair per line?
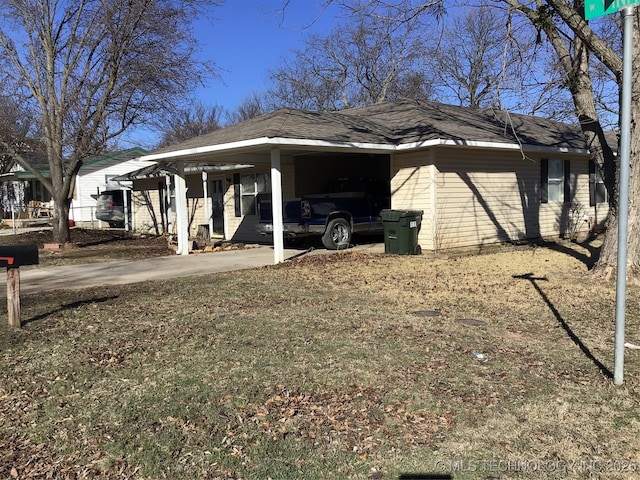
[34,279]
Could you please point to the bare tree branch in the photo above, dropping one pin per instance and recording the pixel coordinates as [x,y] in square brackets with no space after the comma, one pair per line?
[93,69]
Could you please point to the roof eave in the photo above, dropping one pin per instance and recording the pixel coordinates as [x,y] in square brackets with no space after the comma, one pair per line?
[489,145]
[283,142]
[272,142]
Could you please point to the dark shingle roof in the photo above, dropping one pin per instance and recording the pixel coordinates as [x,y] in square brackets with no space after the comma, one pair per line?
[394,123]
[418,121]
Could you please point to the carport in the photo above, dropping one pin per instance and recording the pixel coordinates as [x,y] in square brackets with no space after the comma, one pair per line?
[269,140]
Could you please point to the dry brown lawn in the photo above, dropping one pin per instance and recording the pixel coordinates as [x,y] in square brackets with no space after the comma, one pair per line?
[343,365]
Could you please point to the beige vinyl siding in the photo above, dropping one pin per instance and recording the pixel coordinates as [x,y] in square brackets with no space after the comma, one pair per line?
[412,189]
[146,206]
[485,197]
[490,196]
[195,203]
[575,216]
[243,229]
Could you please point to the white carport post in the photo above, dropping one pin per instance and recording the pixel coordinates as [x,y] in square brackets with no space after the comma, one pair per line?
[182,220]
[207,203]
[276,206]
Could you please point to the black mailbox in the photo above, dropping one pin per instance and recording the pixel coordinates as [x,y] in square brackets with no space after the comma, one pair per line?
[14,256]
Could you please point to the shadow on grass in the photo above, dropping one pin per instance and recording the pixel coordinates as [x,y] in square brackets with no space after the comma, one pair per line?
[534,281]
[589,259]
[104,241]
[69,306]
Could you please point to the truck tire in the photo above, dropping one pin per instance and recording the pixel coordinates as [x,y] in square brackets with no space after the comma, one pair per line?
[337,235]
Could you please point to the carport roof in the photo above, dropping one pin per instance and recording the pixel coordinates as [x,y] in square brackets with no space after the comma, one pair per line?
[385,127]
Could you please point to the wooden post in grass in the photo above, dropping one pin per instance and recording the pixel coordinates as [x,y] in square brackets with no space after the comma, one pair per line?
[13,297]
[12,257]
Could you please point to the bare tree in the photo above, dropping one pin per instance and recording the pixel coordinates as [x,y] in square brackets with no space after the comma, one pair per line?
[92,69]
[473,57]
[573,38]
[188,122]
[17,130]
[250,107]
[369,60]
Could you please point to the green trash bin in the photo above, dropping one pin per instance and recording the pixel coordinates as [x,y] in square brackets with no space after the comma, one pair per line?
[401,229]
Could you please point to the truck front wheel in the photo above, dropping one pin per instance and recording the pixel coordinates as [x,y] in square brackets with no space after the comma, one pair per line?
[337,235]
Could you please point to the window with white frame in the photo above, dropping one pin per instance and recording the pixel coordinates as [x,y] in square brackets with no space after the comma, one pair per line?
[555,185]
[556,180]
[251,186]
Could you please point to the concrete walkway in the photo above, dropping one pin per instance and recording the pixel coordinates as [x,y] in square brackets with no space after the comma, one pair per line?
[39,279]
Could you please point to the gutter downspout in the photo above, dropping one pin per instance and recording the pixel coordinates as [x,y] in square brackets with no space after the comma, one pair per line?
[433,200]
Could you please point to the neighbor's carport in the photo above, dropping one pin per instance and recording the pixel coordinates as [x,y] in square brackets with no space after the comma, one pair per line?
[264,141]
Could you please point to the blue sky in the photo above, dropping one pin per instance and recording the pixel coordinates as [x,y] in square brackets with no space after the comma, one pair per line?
[246,38]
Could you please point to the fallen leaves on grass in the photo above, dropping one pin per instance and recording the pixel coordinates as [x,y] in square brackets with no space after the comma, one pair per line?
[356,419]
[23,459]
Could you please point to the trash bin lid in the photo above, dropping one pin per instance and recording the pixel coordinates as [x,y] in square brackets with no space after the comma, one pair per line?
[395,215]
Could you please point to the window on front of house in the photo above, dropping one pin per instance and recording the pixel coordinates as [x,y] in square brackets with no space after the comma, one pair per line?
[251,186]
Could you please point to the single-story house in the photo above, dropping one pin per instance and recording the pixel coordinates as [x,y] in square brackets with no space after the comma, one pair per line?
[480,176]
[96,175]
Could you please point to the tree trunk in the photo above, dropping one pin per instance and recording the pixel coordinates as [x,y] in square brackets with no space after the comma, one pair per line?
[61,231]
[607,263]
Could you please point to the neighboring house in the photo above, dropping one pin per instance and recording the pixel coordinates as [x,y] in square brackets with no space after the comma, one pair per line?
[480,176]
[95,176]
[22,195]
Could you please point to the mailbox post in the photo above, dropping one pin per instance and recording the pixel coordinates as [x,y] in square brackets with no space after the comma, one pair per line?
[13,257]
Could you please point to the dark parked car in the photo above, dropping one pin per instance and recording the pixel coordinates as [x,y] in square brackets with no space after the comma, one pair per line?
[110,208]
[347,206]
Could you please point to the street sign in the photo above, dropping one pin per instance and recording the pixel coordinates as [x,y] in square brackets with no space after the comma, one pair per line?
[600,8]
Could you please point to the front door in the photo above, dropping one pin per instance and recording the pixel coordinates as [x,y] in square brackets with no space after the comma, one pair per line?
[217,206]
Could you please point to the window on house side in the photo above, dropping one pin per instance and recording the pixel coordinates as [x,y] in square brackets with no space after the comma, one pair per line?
[600,190]
[556,180]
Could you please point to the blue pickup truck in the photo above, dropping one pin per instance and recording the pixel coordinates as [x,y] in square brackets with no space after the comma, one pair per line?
[347,206]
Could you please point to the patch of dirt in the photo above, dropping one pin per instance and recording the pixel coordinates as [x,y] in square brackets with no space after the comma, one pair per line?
[89,245]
